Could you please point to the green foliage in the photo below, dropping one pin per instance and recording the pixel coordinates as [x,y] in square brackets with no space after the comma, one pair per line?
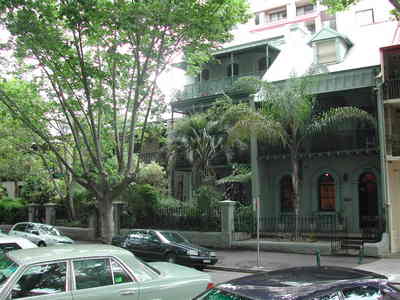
[245,85]
[37,189]
[12,210]
[154,175]
[97,63]
[142,200]
[169,202]
[245,218]
[207,196]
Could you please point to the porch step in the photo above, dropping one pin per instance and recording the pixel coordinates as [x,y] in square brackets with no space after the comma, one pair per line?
[352,244]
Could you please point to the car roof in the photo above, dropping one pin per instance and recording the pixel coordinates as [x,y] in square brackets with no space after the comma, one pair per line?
[37,255]
[34,223]
[297,282]
[15,239]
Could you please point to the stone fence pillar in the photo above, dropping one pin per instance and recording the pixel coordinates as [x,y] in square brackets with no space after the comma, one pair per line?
[117,212]
[50,213]
[227,221]
[33,212]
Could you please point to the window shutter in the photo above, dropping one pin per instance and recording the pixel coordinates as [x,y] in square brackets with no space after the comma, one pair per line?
[326,52]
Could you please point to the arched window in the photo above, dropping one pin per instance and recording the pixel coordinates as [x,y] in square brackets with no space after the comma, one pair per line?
[287,196]
[235,70]
[327,192]
[205,74]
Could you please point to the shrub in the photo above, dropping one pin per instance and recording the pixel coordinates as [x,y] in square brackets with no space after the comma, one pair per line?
[142,200]
[153,174]
[12,210]
[207,196]
[245,218]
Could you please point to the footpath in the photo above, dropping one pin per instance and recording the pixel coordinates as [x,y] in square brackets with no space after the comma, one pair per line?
[251,261]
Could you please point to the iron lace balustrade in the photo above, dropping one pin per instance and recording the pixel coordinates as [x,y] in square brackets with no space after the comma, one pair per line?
[212,87]
[391,89]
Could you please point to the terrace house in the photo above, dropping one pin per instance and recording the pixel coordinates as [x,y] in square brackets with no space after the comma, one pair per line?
[351,174]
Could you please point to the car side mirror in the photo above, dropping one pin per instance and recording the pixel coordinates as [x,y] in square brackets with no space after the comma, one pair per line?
[35,232]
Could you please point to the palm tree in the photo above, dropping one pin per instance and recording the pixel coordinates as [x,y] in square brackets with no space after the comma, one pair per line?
[287,116]
[199,136]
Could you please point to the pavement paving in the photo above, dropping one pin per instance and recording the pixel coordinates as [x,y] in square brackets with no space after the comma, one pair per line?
[250,261]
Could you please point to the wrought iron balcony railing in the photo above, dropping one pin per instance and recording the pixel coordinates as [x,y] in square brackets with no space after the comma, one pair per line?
[391,89]
[212,87]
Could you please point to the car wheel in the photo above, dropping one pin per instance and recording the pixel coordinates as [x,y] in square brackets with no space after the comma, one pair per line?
[42,244]
[171,258]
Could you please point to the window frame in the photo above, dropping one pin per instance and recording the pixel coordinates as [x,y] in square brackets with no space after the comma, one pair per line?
[359,17]
[67,285]
[333,186]
[332,42]
[282,210]
[304,11]
[109,259]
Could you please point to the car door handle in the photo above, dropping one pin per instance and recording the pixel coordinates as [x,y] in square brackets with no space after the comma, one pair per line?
[127,292]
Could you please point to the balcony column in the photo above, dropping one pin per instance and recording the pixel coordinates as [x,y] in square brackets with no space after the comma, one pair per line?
[232,67]
[383,163]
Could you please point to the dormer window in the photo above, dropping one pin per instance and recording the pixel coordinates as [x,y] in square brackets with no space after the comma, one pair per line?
[330,47]
[326,52]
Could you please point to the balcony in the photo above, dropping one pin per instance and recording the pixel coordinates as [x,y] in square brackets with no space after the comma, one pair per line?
[340,141]
[391,89]
[345,140]
[212,87]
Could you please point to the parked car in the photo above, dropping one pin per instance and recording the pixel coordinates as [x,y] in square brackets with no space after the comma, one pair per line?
[40,234]
[156,245]
[94,271]
[8,243]
[316,283]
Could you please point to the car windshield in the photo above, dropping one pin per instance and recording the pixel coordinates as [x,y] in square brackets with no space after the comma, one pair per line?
[7,267]
[49,230]
[174,237]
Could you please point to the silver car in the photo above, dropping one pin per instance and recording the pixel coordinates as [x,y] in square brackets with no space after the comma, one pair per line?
[94,271]
[40,234]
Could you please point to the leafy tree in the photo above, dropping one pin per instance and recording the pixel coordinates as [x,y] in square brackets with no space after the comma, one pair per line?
[100,61]
[287,116]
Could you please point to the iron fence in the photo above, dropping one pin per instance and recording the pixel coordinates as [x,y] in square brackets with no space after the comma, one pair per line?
[181,218]
[289,227]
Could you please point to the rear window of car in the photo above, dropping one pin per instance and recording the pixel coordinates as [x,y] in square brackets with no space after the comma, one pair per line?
[5,247]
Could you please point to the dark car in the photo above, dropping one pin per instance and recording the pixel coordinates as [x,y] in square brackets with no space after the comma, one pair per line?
[306,283]
[156,245]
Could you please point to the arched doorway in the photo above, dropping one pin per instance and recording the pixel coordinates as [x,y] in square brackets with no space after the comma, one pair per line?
[368,200]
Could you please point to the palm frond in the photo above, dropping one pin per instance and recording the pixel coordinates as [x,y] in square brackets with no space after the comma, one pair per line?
[335,117]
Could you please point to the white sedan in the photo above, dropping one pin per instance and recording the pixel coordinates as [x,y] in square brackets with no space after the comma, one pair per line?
[8,243]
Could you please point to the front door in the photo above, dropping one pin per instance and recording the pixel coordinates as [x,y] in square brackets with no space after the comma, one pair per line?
[368,200]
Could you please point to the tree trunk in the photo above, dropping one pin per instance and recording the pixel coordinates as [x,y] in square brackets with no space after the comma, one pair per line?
[295,184]
[106,219]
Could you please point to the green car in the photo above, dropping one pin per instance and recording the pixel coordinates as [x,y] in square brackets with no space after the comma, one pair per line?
[94,271]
